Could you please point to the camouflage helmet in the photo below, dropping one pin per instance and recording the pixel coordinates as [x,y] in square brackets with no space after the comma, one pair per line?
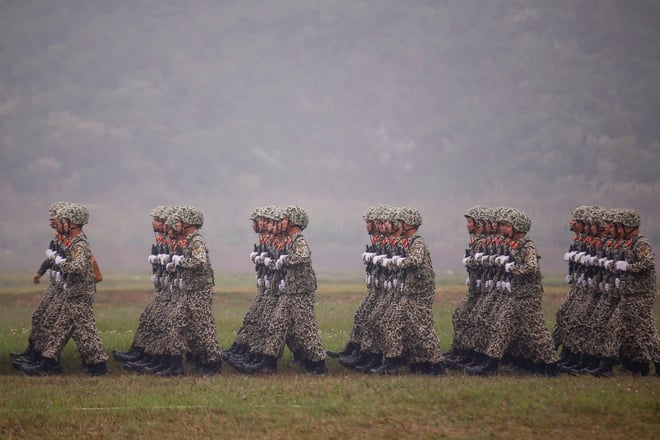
[630,218]
[370,213]
[255,214]
[502,214]
[476,212]
[56,209]
[609,215]
[409,216]
[384,213]
[593,214]
[519,220]
[297,216]
[158,211]
[272,212]
[76,213]
[191,215]
[580,213]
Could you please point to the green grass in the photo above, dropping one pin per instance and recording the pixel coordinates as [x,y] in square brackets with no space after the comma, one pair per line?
[292,405]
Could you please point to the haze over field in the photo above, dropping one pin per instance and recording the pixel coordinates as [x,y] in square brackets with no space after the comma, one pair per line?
[335,106]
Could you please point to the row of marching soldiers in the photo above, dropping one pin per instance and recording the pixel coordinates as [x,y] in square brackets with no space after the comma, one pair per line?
[178,319]
[282,312]
[607,317]
[66,309]
[500,320]
[393,328]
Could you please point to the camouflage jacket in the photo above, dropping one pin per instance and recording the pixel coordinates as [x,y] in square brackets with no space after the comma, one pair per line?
[195,268]
[77,269]
[419,278]
[639,278]
[300,277]
[526,272]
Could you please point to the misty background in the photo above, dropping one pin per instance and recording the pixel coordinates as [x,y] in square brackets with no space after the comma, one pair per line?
[336,105]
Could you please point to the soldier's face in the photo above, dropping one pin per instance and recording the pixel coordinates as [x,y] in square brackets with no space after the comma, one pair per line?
[379,226]
[470,225]
[53,223]
[387,227]
[369,226]
[284,224]
[506,229]
[398,227]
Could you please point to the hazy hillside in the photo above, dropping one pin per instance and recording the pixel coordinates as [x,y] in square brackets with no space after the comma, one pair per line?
[228,105]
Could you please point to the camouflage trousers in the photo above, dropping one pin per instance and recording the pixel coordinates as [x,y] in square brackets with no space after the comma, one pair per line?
[247,333]
[563,318]
[605,330]
[257,333]
[640,340]
[200,328]
[45,316]
[488,311]
[361,317]
[584,326]
[168,337]
[463,321]
[372,340]
[148,319]
[522,331]
[293,322]
[76,321]
[409,329]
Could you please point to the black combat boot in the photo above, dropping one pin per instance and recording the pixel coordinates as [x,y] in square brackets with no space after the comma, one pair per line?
[44,367]
[210,368]
[605,369]
[174,367]
[29,352]
[159,362]
[391,367]
[348,349]
[132,355]
[353,359]
[373,360]
[640,368]
[98,369]
[314,368]
[565,356]
[489,368]
[267,365]
[657,369]
[588,364]
[145,361]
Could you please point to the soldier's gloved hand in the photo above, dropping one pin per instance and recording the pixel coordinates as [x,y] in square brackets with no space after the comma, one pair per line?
[279,264]
[601,262]
[478,256]
[51,254]
[267,261]
[384,261]
[569,279]
[567,256]
[253,255]
[400,261]
[171,267]
[617,282]
[153,259]
[577,257]
[466,261]
[492,259]
[377,258]
[621,265]
[178,259]
[154,279]
[592,260]
[59,260]
[502,259]
[508,266]
[164,258]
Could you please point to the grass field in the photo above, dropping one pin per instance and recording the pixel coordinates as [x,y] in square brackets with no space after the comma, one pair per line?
[292,405]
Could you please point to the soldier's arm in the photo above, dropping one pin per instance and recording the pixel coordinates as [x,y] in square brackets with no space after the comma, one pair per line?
[197,256]
[644,259]
[415,256]
[76,260]
[528,263]
[299,254]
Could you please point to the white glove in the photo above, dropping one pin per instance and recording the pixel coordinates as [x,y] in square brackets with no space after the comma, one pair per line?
[569,279]
[51,254]
[267,261]
[608,264]
[617,282]
[466,260]
[154,279]
[578,256]
[592,260]
[177,259]
[384,261]
[170,267]
[601,262]
[567,256]
[620,265]
[59,260]
[377,258]
[508,266]
[164,258]
[502,259]
[252,255]
[584,259]
[478,256]
[153,259]
[396,259]
[400,261]
[507,286]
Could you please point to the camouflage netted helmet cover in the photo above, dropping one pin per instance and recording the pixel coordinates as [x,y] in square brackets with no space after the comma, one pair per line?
[191,215]
[502,214]
[609,215]
[408,215]
[173,215]
[76,213]
[384,213]
[272,212]
[56,209]
[370,213]
[580,213]
[519,220]
[297,216]
[630,218]
[159,211]
[476,212]
[255,214]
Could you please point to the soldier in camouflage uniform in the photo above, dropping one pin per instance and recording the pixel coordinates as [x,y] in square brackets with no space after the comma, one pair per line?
[370,299]
[372,340]
[640,343]
[146,323]
[520,323]
[76,314]
[40,318]
[293,320]
[409,330]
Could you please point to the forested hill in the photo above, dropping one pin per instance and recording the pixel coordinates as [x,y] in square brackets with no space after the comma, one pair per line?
[228,105]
